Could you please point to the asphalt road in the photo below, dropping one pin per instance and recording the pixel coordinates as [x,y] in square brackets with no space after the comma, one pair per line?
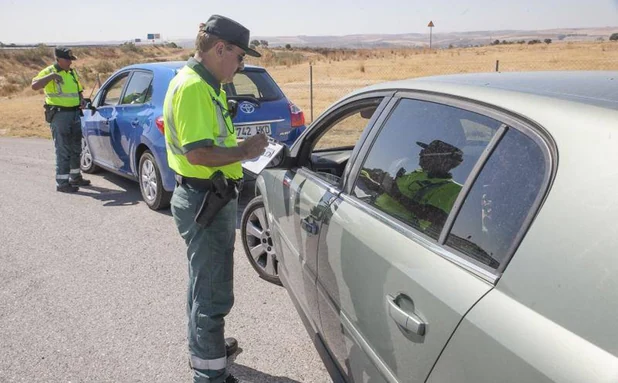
[92,287]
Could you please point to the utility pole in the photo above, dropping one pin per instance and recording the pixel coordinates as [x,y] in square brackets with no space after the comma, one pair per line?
[430,25]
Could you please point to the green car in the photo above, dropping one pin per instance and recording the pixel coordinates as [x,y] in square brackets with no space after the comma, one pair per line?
[452,229]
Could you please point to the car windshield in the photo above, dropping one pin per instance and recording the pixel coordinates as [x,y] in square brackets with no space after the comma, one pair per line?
[257,84]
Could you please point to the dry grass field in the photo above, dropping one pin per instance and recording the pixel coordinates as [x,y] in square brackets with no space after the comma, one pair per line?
[335,72]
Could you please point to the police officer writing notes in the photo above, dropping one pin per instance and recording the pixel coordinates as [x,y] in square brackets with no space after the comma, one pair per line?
[203,151]
[63,100]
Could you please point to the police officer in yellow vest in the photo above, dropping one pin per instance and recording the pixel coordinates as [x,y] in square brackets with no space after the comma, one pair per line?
[63,102]
[203,151]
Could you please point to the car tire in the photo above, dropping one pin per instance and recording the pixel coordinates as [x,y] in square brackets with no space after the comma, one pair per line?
[257,241]
[86,162]
[151,183]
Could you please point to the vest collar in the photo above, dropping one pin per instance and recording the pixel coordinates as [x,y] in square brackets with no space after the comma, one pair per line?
[58,69]
[204,74]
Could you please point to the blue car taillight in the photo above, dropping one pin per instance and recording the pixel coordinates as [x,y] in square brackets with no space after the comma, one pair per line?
[160,124]
[298,117]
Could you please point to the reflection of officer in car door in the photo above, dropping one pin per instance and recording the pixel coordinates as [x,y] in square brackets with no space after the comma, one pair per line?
[425,196]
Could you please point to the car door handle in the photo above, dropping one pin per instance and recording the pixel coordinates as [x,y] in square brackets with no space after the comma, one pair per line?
[310,227]
[409,321]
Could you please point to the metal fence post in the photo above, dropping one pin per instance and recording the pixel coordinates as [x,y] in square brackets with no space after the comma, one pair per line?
[311,89]
[497,65]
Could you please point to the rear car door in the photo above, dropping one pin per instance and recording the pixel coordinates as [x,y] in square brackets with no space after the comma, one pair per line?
[99,125]
[514,342]
[390,294]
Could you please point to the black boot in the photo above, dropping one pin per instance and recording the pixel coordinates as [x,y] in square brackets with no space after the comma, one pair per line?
[231,346]
[79,181]
[67,188]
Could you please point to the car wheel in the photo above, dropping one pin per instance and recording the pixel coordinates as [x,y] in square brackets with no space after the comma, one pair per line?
[86,163]
[151,184]
[257,241]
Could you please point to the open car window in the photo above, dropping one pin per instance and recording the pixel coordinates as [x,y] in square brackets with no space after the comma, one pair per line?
[333,142]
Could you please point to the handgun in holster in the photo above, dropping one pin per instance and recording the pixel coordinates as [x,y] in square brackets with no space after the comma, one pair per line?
[50,112]
[220,193]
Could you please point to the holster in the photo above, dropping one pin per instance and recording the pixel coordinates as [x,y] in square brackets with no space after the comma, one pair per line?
[50,112]
[215,199]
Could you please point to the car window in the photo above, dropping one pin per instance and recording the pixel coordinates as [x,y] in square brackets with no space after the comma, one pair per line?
[345,132]
[111,94]
[498,203]
[139,89]
[335,137]
[255,84]
[419,161]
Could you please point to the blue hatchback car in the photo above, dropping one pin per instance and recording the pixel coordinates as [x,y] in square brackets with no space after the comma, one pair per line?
[124,129]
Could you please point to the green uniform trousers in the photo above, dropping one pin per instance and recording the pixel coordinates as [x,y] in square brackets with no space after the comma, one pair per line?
[210,296]
[66,131]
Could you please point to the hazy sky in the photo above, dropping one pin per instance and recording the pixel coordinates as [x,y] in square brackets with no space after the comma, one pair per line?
[32,21]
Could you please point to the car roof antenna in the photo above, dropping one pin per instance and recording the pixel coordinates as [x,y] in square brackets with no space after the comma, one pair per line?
[97,83]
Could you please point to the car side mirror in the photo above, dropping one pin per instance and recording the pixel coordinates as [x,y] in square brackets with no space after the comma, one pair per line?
[89,105]
[367,113]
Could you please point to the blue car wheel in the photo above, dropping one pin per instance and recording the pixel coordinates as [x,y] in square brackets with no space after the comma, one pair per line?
[151,184]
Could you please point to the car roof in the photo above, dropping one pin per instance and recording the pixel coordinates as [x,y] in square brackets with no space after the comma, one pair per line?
[597,88]
[176,65]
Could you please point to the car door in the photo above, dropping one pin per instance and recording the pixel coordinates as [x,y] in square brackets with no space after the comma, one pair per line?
[513,342]
[135,114]
[390,294]
[298,198]
[101,123]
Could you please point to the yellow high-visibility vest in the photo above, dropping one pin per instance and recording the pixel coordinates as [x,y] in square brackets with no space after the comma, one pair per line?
[195,115]
[65,94]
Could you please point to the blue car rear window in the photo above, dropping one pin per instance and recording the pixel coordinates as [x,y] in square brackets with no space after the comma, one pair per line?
[255,84]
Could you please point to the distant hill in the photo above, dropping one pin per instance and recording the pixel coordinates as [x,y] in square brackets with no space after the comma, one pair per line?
[439,40]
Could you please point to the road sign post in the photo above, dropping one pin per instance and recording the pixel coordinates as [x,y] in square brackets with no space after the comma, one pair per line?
[430,25]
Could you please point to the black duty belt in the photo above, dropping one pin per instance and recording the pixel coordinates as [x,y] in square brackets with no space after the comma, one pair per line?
[201,183]
[63,108]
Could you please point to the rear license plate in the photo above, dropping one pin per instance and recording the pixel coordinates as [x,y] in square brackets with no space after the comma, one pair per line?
[252,130]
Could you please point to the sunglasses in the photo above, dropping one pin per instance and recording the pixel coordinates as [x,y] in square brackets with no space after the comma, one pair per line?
[239,57]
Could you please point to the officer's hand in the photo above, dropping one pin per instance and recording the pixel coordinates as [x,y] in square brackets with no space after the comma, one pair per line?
[255,145]
[56,77]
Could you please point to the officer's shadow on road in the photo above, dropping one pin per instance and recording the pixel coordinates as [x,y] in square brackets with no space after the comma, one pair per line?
[128,193]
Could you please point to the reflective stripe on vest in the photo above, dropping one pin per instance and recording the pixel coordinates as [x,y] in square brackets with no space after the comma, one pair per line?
[64,95]
[172,144]
[223,132]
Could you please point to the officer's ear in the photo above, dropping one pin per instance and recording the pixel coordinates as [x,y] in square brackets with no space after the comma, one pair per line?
[220,48]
